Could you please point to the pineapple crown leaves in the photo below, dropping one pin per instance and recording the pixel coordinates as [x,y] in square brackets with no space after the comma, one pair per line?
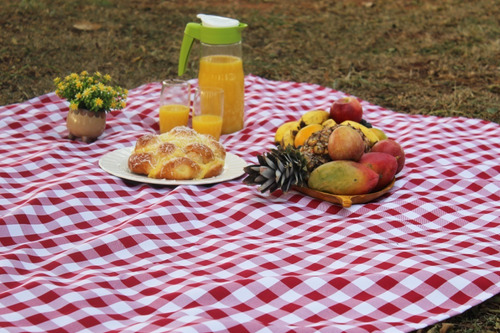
[278,169]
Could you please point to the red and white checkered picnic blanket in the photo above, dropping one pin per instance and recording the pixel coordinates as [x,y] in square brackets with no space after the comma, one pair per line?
[84,251]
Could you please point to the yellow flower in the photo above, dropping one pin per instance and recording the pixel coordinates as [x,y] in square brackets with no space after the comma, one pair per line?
[90,91]
[98,102]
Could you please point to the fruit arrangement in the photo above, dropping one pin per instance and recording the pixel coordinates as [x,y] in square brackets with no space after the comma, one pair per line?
[335,152]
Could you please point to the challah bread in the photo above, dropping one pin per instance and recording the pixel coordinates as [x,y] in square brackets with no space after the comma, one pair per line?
[179,154]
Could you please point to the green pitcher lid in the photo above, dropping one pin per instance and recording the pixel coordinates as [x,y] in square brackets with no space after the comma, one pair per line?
[217,30]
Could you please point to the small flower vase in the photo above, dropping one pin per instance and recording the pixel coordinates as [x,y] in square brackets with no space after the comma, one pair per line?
[85,124]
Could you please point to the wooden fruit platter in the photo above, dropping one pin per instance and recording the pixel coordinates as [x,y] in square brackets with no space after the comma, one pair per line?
[344,200]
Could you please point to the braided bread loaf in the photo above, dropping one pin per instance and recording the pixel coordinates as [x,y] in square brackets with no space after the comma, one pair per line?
[179,154]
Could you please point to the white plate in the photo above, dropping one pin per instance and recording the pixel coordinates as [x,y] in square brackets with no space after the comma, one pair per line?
[116,163]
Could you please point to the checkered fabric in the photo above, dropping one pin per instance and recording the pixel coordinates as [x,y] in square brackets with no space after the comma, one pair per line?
[84,251]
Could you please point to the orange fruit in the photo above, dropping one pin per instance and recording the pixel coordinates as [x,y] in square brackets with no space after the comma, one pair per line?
[305,132]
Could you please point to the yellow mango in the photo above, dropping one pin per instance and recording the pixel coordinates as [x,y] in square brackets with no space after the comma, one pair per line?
[284,128]
[343,178]
[314,117]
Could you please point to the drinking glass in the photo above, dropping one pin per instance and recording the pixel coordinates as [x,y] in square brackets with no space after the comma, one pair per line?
[208,111]
[174,104]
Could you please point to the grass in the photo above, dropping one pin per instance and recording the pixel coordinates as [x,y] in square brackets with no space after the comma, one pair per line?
[413,56]
[417,57]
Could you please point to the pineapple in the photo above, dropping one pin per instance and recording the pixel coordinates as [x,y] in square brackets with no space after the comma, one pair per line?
[284,167]
[278,169]
[315,149]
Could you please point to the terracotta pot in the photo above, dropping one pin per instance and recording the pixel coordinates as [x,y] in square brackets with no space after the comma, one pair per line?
[84,124]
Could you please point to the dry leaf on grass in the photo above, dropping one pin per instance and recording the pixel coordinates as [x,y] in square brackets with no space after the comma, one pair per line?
[445,327]
[86,26]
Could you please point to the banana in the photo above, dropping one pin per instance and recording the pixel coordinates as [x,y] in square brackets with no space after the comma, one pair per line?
[314,117]
[366,131]
[284,128]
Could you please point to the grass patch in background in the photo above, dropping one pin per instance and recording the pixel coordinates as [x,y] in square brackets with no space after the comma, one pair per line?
[418,57]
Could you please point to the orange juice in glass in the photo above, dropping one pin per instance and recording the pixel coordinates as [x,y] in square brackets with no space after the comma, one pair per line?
[208,111]
[225,72]
[174,104]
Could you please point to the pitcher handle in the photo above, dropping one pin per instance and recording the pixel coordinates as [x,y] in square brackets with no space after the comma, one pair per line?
[191,32]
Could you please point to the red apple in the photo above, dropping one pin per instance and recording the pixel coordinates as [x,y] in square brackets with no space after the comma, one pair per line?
[393,148]
[385,165]
[347,108]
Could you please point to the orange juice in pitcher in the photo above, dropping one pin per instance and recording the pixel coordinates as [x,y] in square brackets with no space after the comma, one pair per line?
[226,72]
[221,63]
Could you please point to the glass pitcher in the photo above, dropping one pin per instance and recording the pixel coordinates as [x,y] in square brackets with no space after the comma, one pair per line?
[221,63]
